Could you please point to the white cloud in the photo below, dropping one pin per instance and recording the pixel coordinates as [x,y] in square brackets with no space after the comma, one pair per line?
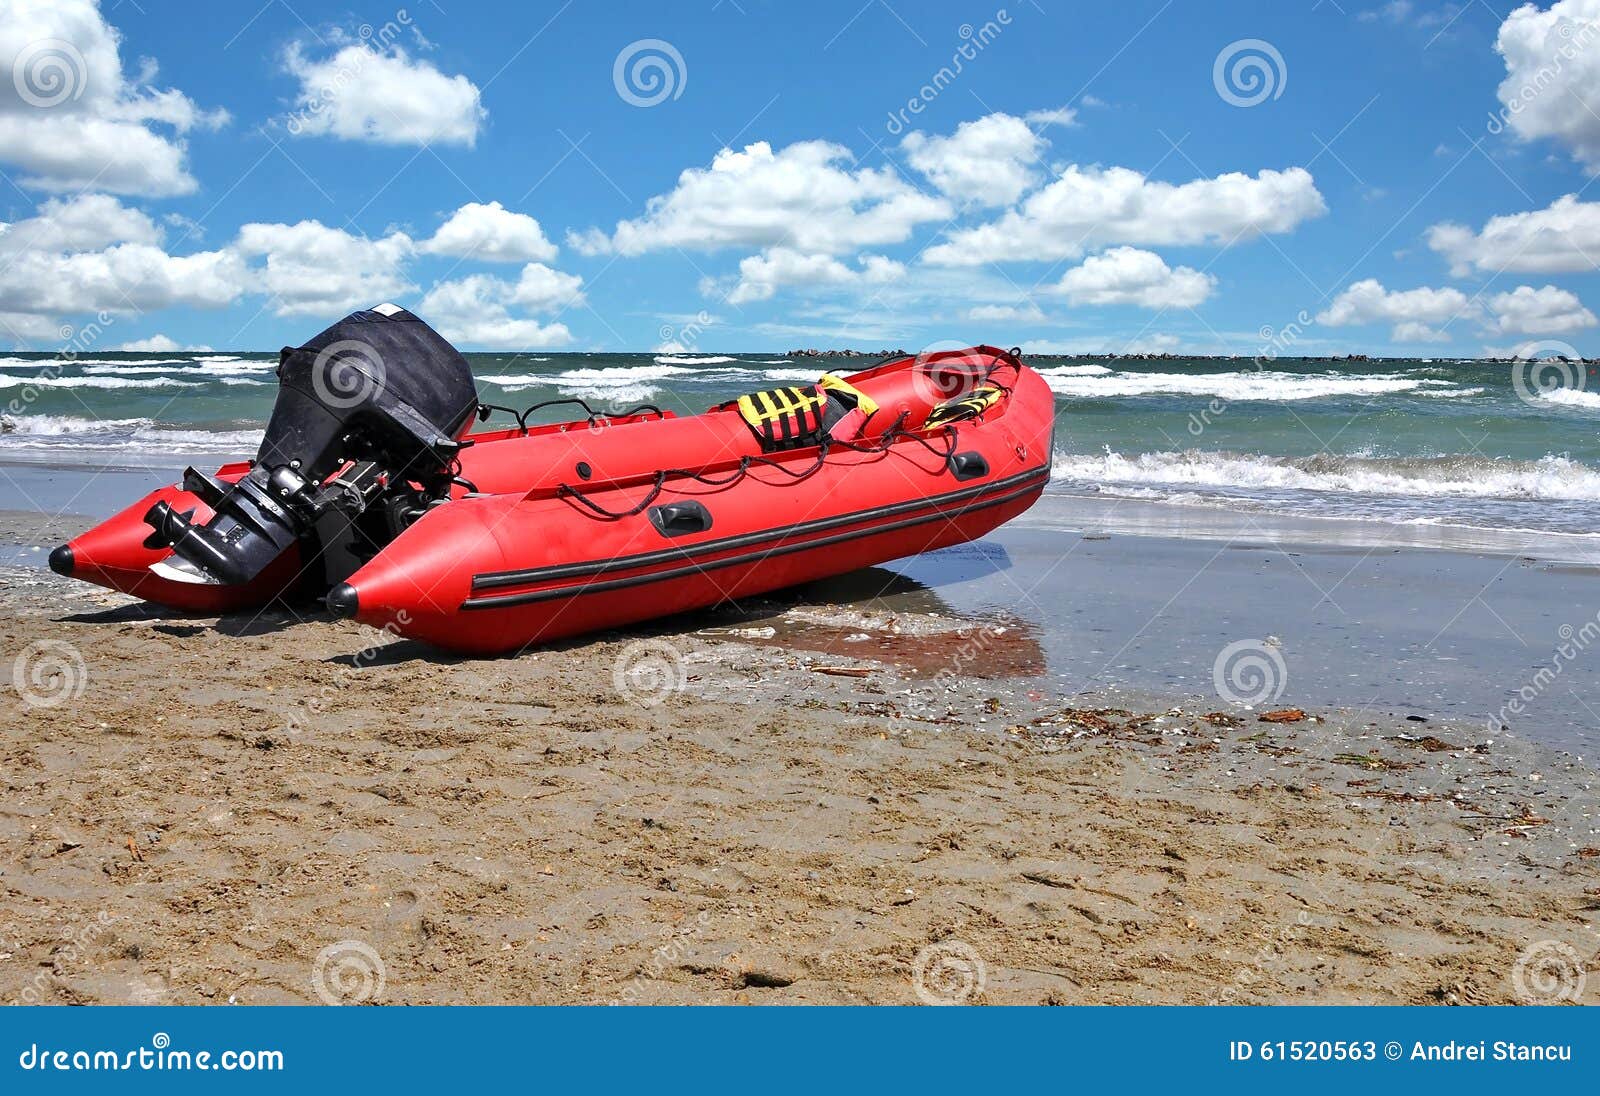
[81,223]
[1533,349]
[312,269]
[1562,238]
[760,276]
[990,161]
[161,344]
[363,94]
[73,151]
[122,278]
[1413,331]
[1027,312]
[1139,344]
[1547,311]
[25,327]
[1416,313]
[1060,116]
[1127,275]
[921,298]
[477,310]
[1090,206]
[1530,350]
[541,289]
[91,253]
[1396,11]
[492,233]
[70,119]
[1152,344]
[805,196]
[1405,13]
[1552,84]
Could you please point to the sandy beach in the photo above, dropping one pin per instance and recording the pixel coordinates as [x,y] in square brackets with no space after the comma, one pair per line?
[852,795]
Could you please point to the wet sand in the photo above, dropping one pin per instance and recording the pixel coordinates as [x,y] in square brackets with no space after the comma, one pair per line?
[1486,627]
[854,794]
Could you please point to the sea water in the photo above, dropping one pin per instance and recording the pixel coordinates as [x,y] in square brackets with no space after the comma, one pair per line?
[1460,443]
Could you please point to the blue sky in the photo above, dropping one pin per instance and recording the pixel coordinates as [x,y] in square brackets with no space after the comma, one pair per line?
[1093,178]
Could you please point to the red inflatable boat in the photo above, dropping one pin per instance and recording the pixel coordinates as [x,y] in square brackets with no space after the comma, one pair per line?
[489,542]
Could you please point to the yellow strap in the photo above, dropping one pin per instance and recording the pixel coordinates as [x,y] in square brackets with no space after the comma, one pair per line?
[769,403]
[969,406]
[867,405]
[761,408]
[985,397]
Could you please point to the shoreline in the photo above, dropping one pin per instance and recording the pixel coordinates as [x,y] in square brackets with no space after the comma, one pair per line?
[1438,621]
[29,475]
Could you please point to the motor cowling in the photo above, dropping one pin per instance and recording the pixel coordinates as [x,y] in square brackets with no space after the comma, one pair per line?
[379,398]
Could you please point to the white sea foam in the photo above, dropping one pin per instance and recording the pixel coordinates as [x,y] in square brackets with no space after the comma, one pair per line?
[101,369]
[513,380]
[1571,397]
[168,440]
[67,363]
[124,361]
[1551,477]
[1241,386]
[49,426]
[230,368]
[213,369]
[622,375]
[792,374]
[1074,371]
[9,381]
[613,396]
[618,378]
[679,359]
[71,432]
[622,384]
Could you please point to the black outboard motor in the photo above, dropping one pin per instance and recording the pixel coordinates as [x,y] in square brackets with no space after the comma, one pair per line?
[380,395]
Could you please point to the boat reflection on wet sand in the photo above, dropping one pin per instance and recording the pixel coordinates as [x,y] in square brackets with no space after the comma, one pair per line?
[882,615]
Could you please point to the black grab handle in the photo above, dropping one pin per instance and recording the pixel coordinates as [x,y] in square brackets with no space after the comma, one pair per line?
[968,465]
[677,519]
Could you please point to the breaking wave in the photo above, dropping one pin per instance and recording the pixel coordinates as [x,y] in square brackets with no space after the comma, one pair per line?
[1238,386]
[124,435]
[9,381]
[1571,397]
[209,369]
[1552,477]
[1062,371]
